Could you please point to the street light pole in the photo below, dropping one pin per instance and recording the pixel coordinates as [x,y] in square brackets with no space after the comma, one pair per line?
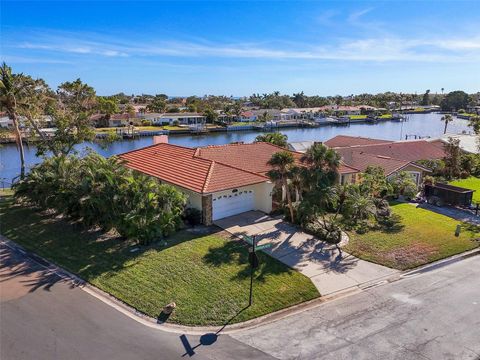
[252,269]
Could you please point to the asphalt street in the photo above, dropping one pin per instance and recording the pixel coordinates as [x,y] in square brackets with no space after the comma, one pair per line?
[43,317]
[430,315]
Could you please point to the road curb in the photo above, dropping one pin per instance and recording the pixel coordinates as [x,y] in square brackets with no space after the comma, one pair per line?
[440,263]
[146,320]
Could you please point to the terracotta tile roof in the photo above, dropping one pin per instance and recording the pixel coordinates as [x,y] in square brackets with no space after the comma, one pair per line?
[179,166]
[251,157]
[361,161]
[347,169]
[345,140]
[402,150]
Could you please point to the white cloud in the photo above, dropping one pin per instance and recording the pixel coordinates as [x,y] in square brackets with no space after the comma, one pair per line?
[379,49]
[355,16]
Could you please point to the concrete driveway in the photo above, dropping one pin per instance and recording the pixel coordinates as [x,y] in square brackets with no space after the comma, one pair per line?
[329,270]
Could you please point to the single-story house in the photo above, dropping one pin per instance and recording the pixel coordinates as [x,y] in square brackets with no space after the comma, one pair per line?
[247,116]
[469,143]
[345,140]
[391,156]
[220,181]
[171,118]
[115,120]
[300,146]
[5,122]
[273,114]
[391,166]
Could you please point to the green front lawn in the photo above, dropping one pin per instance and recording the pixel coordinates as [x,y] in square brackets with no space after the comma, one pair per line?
[206,275]
[472,183]
[243,123]
[386,116]
[421,237]
[357,117]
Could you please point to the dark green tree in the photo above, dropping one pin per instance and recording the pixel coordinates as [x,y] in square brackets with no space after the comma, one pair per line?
[455,100]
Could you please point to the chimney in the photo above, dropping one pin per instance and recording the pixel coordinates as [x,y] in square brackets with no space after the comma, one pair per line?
[160,139]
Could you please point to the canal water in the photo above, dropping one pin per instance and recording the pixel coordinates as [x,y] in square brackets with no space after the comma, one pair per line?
[417,124]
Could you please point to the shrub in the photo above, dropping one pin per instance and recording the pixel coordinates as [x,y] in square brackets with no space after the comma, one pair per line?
[403,184]
[362,227]
[101,192]
[329,232]
[146,122]
[392,222]
[192,216]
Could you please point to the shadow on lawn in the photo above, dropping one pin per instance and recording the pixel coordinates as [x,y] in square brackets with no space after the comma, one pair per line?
[85,252]
[235,251]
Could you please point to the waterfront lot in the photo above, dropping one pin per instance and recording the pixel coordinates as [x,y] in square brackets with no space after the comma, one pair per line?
[206,274]
[421,237]
[470,183]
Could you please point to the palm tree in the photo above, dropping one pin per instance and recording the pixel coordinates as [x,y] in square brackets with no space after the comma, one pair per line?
[282,164]
[276,138]
[446,119]
[11,92]
[322,166]
[296,179]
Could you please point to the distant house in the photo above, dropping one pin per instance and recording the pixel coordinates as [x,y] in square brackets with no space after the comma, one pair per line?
[5,121]
[171,118]
[248,116]
[273,114]
[115,120]
[473,109]
[44,121]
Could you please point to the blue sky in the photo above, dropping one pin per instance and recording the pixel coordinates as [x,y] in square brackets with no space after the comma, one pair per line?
[241,47]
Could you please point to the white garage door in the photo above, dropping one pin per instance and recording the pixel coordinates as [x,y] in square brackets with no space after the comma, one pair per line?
[232,203]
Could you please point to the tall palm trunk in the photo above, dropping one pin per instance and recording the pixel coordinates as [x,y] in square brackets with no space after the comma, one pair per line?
[19,142]
[289,199]
[445,129]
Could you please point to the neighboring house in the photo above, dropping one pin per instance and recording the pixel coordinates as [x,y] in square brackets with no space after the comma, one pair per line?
[391,156]
[469,143]
[220,181]
[391,166]
[300,146]
[345,140]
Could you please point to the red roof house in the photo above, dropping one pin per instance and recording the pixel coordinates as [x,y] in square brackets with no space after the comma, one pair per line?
[391,156]
[219,180]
